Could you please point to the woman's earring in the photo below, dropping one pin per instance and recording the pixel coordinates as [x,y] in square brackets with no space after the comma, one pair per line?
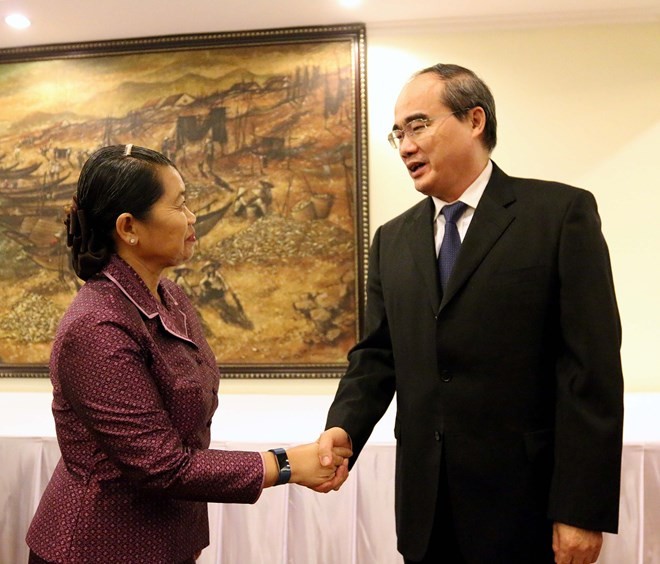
[132,241]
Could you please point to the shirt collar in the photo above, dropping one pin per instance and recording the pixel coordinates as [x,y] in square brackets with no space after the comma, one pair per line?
[120,273]
[473,192]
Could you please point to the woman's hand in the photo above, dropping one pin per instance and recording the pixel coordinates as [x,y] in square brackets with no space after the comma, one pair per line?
[306,468]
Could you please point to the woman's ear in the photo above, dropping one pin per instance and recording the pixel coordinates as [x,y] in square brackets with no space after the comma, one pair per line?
[125,227]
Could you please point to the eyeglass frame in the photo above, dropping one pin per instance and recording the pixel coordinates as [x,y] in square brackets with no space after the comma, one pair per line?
[423,123]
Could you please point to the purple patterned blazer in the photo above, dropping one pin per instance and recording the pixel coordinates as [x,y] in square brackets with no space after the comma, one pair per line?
[135,386]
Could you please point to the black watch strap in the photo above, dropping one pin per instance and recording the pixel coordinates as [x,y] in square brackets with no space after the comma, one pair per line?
[283,464]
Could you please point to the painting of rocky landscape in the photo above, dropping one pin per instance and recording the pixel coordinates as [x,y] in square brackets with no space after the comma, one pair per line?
[267,130]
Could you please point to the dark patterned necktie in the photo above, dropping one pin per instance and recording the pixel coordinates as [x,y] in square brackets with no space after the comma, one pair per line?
[451,242]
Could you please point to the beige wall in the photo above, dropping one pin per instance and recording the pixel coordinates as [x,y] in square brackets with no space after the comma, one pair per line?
[575,104]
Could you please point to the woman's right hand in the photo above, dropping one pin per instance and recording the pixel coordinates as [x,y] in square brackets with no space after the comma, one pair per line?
[306,468]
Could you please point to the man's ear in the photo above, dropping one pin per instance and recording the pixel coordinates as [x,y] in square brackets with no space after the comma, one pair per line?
[478,120]
[125,227]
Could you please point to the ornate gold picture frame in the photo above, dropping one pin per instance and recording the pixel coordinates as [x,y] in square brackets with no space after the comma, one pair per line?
[268,129]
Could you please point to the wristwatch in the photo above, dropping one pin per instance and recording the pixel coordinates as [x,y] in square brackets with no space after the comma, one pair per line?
[284,467]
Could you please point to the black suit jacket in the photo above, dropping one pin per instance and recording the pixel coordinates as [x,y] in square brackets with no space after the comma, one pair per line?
[513,375]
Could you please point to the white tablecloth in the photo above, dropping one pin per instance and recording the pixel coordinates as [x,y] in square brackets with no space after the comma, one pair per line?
[291,524]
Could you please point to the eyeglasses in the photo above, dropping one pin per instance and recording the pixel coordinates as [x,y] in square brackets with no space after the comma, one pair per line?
[414,128]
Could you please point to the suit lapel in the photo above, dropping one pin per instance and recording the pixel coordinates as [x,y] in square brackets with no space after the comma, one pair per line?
[420,239]
[491,218]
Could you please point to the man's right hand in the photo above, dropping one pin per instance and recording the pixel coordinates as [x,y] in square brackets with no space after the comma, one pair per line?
[334,437]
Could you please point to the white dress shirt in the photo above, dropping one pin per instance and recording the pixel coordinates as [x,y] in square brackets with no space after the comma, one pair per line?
[471,197]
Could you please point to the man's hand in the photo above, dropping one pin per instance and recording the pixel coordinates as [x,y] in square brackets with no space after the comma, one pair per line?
[573,545]
[334,437]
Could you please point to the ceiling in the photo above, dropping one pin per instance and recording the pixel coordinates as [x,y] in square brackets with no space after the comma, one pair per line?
[66,21]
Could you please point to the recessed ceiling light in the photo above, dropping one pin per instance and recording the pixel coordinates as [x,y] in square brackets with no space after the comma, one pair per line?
[17,21]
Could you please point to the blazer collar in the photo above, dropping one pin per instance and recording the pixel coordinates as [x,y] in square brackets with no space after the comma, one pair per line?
[491,218]
[422,247]
[172,319]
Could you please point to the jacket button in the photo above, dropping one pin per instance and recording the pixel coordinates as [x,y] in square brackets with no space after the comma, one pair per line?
[445,375]
[437,435]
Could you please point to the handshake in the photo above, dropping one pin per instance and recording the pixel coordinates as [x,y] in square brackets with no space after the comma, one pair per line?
[321,466]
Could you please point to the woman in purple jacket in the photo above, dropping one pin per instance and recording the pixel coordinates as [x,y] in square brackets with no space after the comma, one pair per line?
[135,385]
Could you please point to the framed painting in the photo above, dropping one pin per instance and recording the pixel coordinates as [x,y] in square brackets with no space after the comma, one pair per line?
[268,129]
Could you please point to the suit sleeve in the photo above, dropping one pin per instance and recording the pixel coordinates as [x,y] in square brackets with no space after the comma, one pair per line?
[367,388]
[589,382]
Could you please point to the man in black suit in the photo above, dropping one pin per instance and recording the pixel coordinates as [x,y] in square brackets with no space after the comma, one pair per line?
[507,374]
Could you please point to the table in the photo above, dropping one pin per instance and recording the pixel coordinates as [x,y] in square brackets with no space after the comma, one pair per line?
[291,524]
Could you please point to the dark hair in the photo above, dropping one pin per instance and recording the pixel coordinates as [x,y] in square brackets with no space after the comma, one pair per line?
[463,91]
[114,180]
